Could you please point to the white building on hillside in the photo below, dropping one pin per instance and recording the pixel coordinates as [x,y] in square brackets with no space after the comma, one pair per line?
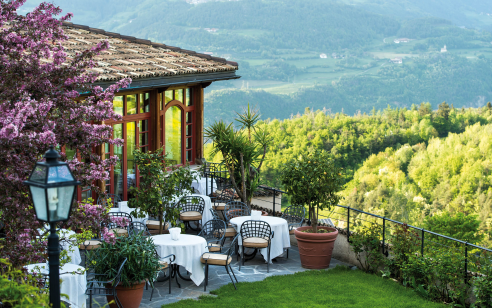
[323,56]
[444,49]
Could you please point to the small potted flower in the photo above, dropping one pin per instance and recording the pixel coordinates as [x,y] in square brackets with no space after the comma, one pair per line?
[141,266]
[313,180]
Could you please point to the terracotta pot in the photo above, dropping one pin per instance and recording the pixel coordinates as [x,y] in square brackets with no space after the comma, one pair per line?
[130,297]
[315,248]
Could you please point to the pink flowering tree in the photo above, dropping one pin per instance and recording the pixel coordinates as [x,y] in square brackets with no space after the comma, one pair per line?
[39,87]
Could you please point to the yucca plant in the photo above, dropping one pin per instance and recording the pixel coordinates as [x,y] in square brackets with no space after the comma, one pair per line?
[243,151]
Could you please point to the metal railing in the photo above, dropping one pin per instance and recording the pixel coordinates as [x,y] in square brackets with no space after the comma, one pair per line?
[424,235]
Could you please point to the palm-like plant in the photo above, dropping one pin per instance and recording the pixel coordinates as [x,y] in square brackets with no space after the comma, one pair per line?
[243,153]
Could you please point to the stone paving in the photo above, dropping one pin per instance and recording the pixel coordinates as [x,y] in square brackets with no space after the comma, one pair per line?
[253,270]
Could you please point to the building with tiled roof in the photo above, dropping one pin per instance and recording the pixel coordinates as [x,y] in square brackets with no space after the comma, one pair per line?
[162,107]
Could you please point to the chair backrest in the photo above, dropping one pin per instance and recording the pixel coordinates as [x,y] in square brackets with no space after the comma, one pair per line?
[192,203]
[225,195]
[137,227]
[255,228]
[117,278]
[103,200]
[214,214]
[236,209]
[294,215]
[121,214]
[213,229]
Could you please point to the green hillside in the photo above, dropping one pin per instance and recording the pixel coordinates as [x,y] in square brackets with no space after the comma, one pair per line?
[450,175]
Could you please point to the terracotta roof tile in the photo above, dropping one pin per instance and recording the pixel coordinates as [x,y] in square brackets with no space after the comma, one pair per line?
[138,58]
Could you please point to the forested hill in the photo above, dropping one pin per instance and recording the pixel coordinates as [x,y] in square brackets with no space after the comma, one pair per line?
[434,79]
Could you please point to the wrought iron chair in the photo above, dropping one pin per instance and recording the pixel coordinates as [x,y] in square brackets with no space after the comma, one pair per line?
[163,265]
[103,200]
[236,209]
[213,233]
[137,227]
[210,258]
[153,226]
[120,231]
[294,215]
[191,209]
[214,214]
[222,198]
[256,234]
[97,285]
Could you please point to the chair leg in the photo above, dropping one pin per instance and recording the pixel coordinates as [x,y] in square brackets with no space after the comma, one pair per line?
[90,299]
[231,277]
[152,293]
[268,263]
[206,278]
[287,253]
[241,262]
[170,279]
[233,273]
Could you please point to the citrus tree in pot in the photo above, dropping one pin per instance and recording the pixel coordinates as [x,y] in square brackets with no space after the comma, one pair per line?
[314,181]
[142,265]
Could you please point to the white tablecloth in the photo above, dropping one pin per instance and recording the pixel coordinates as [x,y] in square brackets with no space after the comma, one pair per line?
[200,185]
[72,284]
[281,237]
[66,243]
[188,250]
[123,207]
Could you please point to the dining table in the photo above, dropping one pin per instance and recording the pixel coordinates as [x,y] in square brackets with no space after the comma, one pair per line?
[188,250]
[279,226]
[73,282]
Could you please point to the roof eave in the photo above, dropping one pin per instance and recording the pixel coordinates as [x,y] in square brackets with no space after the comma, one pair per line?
[168,81]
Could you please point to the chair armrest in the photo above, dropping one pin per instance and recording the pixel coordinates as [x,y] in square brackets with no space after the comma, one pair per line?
[273,233]
[169,256]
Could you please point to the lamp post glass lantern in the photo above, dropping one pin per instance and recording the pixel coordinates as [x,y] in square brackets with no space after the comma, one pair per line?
[52,187]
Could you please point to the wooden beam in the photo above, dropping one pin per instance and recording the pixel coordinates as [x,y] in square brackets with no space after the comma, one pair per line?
[155,125]
[199,101]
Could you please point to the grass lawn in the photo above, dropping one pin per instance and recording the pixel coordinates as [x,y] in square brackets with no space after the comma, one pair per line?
[339,287]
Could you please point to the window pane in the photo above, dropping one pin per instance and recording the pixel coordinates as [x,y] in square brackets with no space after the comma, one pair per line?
[188,143]
[168,96]
[86,193]
[131,104]
[189,117]
[144,102]
[118,105]
[188,156]
[106,148]
[173,134]
[143,136]
[188,130]
[70,153]
[178,95]
[189,101]
[118,168]
[131,139]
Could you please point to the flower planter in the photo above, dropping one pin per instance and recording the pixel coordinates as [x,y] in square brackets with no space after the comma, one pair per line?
[315,249]
[130,297]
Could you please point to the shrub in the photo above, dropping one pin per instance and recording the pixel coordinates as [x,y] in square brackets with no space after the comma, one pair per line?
[366,241]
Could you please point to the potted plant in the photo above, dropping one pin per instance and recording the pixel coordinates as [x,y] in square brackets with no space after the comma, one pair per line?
[142,265]
[157,193]
[313,180]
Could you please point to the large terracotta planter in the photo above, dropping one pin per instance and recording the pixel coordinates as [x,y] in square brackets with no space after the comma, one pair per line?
[315,248]
[130,297]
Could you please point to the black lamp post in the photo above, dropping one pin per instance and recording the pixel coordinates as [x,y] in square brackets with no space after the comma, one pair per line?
[52,188]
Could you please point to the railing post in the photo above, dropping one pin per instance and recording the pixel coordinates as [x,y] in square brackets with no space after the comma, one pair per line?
[348,224]
[422,245]
[466,262]
[274,193]
[385,252]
